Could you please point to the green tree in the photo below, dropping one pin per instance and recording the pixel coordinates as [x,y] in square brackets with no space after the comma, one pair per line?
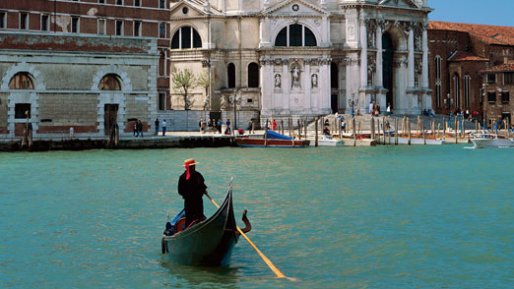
[183,81]
[204,82]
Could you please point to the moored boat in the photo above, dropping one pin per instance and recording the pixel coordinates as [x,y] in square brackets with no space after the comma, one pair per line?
[270,139]
[327,140]
[486,139]
[206,243]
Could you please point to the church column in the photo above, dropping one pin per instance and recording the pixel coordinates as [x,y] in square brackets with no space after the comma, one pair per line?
[265,33]
[411,56]
[364,52]
[379,75]
[286,87]
[424,73]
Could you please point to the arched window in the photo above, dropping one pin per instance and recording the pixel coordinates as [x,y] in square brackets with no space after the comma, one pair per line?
[456,90]
[295,35]
[231,75]
[438,80]
[467,90]
[110,82]
[21,80]
[186,37]
[253,75]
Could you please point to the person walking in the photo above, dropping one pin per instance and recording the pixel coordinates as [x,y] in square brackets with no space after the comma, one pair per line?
[156,124]
[191,186]
[163,127]
[140,127]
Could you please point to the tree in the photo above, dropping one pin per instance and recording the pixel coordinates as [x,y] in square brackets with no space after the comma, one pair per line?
[204,82]
[183,81]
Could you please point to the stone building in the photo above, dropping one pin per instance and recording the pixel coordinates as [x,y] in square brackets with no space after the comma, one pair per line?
[303,57]
[85,65]
[465,61]
[498,86]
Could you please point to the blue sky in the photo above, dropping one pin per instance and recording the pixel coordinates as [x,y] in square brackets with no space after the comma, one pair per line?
[491,12]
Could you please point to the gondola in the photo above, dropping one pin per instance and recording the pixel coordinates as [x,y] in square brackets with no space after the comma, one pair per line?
[206,243]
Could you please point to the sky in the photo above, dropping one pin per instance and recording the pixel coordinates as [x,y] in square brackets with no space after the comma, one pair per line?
[490,12]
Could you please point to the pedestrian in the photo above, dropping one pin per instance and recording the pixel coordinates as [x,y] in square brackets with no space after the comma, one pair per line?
[202,126]
[135,132]
[273,124]
[228,128]
[163,127]
[140,127]
[156,123]
[218,125]
[388,109]
[191,186]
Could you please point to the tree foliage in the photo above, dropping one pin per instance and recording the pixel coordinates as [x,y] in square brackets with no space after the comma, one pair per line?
[183,81]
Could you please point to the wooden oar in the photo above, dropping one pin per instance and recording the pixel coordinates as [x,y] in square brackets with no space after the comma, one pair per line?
[273,268]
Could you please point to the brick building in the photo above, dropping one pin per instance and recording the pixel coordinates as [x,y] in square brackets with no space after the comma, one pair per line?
[86,64]
[498,86]
[460,56]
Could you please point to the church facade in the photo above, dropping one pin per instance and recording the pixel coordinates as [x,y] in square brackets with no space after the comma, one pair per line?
[302,57]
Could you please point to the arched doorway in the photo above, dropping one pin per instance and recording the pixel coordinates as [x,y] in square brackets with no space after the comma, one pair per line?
[110,83]
[387,67]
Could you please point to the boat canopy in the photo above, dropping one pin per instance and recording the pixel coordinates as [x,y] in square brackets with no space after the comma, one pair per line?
[275,135]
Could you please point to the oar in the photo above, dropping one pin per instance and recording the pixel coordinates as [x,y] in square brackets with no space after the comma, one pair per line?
[266,260]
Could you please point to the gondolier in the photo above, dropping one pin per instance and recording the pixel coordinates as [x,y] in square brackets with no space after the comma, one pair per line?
[191,186]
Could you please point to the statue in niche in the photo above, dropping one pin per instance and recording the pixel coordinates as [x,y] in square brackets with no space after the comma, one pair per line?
[295,76]
[278,81]
[314,80]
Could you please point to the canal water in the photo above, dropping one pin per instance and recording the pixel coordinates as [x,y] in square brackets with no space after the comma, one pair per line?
[379,217]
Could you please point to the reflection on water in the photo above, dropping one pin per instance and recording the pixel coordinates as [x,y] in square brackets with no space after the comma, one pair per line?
[206,277]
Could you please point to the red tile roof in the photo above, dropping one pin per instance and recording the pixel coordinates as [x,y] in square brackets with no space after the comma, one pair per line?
[466,56]
[507,67]
[494,35]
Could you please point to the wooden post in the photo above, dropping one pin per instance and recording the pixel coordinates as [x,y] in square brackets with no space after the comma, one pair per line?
[305,127]
[354,132]
[444,129]
[316,133]
[423,133]
[456,129]
[408,130]
[298,122]
[372,126]
[396,131]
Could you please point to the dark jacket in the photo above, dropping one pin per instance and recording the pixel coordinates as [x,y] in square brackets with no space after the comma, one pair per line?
[192,191]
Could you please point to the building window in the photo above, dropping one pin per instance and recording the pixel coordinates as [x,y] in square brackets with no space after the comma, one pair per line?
[21,80]
[505,97]
[24,21]
[101,1]
[74,24]
[110,82]
[508,78]
[491,78]
[137,3]
[186,37]
[295,35]
[253,75]
[137,28]
[456,90]
[438,60]
[491,97]
[45,22]
[101,26]
[119,27]
[231,75]
[3,19]
[162,4]
[119,2]
[162,101]
[467,90]
[162,30]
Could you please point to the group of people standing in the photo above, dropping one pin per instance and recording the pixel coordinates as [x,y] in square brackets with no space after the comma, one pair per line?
[138,128]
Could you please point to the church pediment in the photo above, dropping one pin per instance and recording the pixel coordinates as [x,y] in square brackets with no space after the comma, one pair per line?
[183,9]
[400,3]
[295,8]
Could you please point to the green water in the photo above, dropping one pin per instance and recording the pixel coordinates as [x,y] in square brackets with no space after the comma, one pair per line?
[382,217]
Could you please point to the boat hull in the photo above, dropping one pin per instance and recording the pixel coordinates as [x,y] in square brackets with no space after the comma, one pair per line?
[208,243]
[492,143]
[261,142]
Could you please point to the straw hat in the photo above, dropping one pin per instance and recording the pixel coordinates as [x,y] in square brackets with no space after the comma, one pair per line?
[190,162]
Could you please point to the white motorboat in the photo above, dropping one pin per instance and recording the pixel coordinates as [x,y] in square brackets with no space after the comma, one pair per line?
[487,139]
[328,141]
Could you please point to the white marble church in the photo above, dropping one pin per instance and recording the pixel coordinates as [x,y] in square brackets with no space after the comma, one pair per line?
[302,57]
